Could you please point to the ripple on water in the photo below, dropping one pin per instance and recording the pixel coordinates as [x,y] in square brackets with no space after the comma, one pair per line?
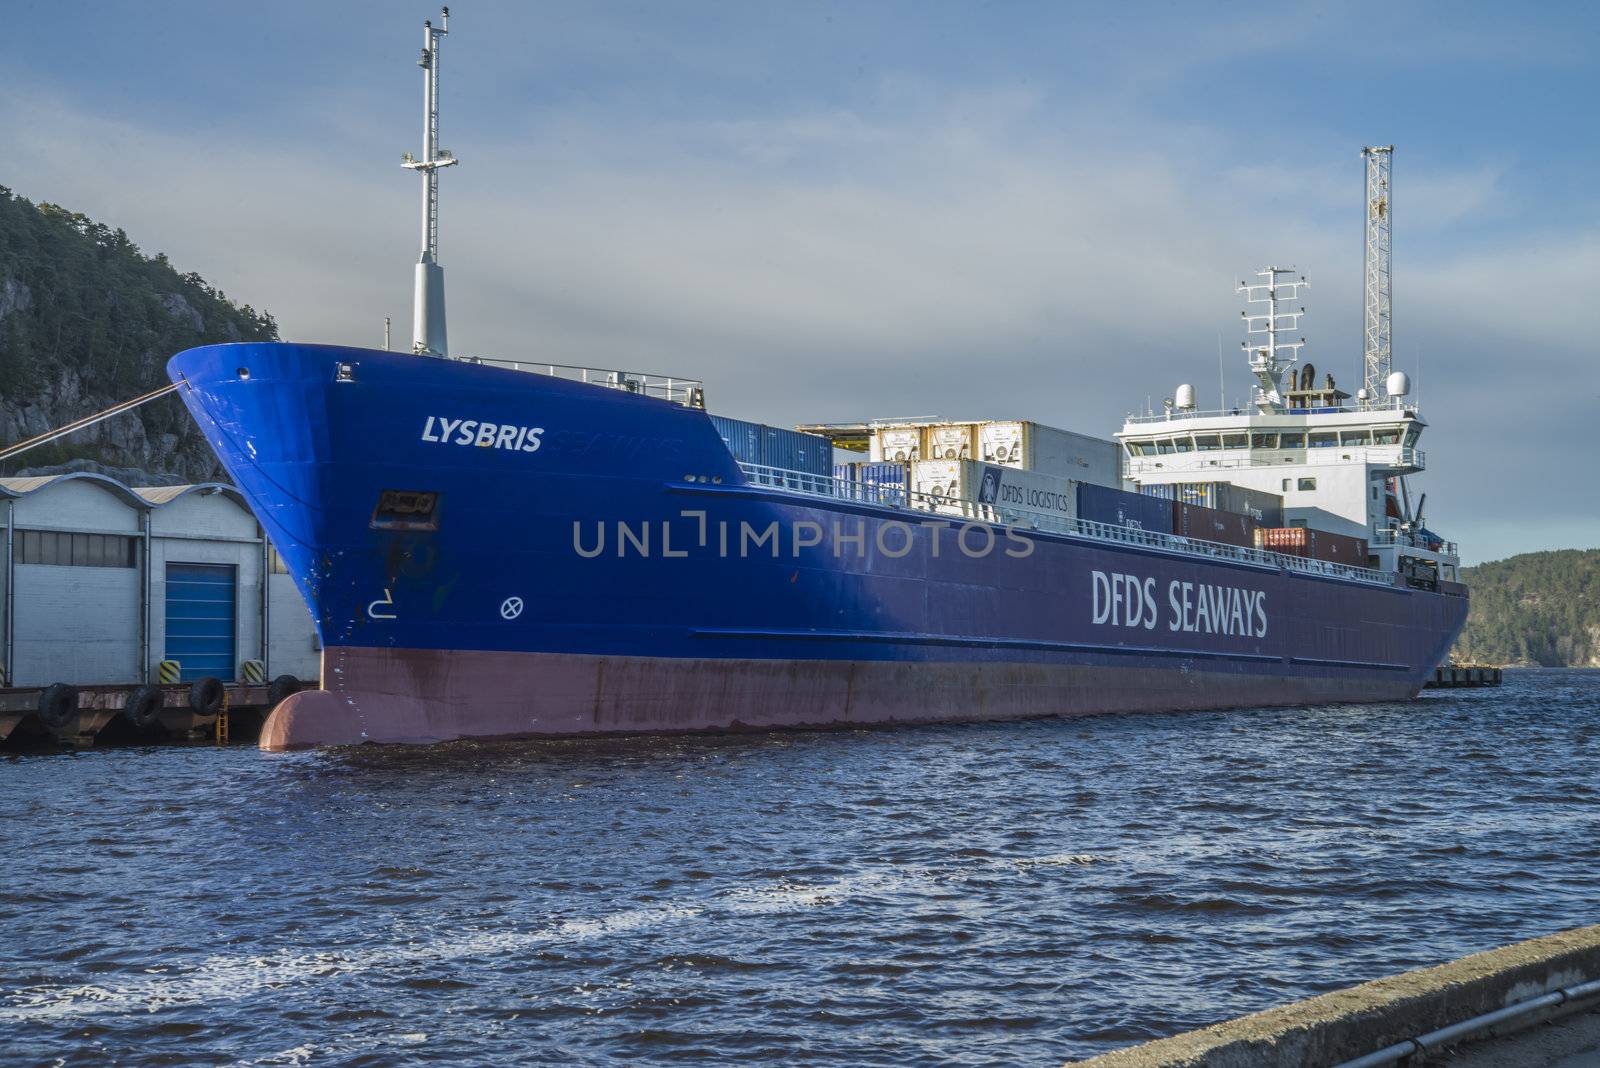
[995,893]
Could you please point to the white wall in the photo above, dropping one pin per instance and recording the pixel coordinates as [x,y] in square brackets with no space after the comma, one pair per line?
[78,504]
[205,515]
[295,649]
[76,624]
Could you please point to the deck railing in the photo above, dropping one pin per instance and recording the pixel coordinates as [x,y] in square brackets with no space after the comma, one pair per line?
[1392,536]
[1393,404]
[893,495]
[1399,456]
[689,392]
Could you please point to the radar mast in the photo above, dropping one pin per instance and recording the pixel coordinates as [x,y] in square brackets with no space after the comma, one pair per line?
[1267,360]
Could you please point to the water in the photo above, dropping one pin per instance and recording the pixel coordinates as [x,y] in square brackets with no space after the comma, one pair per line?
[995,894]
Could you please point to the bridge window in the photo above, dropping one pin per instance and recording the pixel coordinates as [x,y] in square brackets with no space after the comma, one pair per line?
[1184,443]
[1412,433]
[1356,437]
[1263,441]
[1324,440]
[1163,446]
[1292,441]
[1386,436]
[1236,441]
[1207,442]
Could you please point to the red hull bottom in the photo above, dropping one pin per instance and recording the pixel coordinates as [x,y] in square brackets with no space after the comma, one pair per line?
[414,696]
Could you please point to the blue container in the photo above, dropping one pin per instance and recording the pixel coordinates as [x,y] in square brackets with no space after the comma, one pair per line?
[1101,504]
[773,446]
[743,439]
[791,450]
[883,483]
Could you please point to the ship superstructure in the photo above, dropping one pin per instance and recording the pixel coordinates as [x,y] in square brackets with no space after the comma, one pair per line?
[1339,466]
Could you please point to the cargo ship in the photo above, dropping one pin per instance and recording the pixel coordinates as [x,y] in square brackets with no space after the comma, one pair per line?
[505,548]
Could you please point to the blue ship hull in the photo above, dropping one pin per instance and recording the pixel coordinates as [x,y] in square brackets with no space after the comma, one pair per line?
[598,562]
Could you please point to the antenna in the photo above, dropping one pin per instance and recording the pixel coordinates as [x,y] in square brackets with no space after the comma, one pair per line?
[386,346]
[1266,360]
[1378,360]
[427,318]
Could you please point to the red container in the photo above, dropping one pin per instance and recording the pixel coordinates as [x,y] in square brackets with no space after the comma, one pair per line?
[1211,524]
[1315,544]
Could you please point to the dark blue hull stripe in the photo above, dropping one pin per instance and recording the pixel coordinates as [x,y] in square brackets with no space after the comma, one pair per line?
[975,643]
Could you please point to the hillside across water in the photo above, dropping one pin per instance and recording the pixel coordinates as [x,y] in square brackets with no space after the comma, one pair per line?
[87,320]
[1535,609]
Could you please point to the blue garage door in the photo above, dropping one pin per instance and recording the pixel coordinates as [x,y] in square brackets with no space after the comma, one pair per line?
[200,611]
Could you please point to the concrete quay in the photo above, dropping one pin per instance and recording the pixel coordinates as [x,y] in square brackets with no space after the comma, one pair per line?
[1429,1016]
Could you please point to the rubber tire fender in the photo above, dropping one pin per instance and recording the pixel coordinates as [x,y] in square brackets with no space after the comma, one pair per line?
[58,703]
[206,695]
[279,690]
[143,706]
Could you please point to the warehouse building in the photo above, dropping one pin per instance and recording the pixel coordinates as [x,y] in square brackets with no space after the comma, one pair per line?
[103,582]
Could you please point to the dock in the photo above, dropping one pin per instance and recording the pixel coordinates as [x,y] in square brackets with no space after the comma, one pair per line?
[1451,676]
[84,716]
[1490,1009]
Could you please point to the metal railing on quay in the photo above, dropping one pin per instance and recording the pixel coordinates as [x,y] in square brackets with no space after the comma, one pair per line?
[898,495]
[689,392]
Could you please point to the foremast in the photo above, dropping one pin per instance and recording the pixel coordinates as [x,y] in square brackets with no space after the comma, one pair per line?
[428,336]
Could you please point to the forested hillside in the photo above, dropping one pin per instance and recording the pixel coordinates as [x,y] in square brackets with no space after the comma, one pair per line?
[86,320]
[1537,608]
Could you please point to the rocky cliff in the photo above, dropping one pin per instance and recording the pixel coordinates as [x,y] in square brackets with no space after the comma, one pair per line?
[88,320]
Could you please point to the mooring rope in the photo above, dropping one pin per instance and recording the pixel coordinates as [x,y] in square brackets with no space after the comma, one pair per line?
[78,424]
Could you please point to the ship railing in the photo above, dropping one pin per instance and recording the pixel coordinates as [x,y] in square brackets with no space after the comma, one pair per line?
[1177,415]
[1193,460]
[1393,536]
[899,495]
[689,392]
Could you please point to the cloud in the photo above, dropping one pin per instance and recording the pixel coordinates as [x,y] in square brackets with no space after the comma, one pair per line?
[971,254]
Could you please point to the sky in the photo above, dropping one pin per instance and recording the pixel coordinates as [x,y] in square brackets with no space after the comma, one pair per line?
[980,210]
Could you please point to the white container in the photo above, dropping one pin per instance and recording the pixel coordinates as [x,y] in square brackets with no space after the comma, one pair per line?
[952,441]
[896,444]
[993,492]
[1048,450]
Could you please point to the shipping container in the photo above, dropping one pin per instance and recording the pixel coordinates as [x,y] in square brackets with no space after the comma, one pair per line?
[1265,508]
[989,491]
[1314,544]
[1114,507]
[951,441]
[1046,449]
[896,444]
[872,483]
[790,450]
[775,446]
[1211,524]
[742,438]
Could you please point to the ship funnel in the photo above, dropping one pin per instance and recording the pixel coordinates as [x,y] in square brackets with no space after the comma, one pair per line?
[428,336]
